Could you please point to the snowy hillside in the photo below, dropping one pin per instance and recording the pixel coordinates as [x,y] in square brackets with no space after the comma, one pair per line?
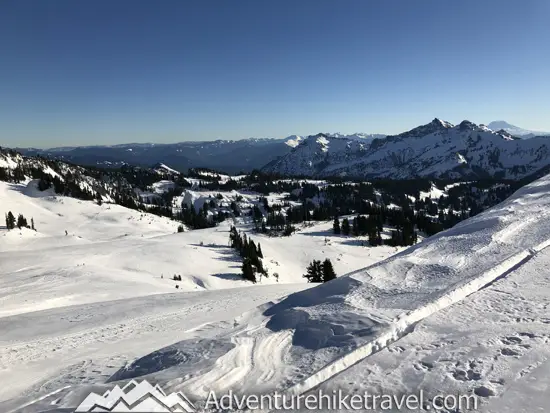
[465,311]
[437,149]
[57,289]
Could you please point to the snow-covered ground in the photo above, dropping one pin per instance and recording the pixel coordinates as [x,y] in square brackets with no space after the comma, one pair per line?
[463,312]
[495,344]
[75,308]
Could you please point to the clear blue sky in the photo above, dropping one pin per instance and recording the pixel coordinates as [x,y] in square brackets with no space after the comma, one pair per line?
[114,71]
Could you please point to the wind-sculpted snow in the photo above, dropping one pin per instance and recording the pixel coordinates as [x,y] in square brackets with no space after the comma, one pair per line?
[337,324]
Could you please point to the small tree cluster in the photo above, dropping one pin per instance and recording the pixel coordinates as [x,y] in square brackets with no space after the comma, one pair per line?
[403,235]
[318,271]
[20,222]
[250,252]
[177,277]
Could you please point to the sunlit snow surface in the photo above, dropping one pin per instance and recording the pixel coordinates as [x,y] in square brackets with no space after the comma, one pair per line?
[464,311]
[76,308]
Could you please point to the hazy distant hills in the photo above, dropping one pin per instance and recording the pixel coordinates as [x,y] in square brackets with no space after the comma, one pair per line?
[231,156]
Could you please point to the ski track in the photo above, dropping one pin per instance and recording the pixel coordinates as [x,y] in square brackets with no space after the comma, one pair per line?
[405,323]
[40,349]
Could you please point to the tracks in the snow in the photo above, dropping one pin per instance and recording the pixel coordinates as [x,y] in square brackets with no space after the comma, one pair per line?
[405,323]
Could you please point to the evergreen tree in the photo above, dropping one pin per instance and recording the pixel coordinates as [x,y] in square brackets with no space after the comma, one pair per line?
[345,226]
[32,224]
[289,230]
[10,220]
[336,226]
[248,271]
[314,272]
[373,237]
[328,271]
[21,221]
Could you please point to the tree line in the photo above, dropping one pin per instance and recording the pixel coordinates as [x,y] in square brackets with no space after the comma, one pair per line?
[20,222]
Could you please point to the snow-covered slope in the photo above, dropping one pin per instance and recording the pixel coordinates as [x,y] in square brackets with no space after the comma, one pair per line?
[437,149]
[163,169]
[69,302]
[514,130]
[309,337]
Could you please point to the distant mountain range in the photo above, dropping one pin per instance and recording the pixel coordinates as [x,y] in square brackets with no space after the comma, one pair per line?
[437,149]
[231,156]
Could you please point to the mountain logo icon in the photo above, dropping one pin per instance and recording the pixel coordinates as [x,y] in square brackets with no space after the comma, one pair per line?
[136,397]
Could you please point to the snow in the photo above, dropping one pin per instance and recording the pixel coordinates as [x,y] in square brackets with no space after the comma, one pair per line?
[433,193]
[461,158]
[437,149]
[75,308]
[293,141]
[7,162]
[161,187]
[162,168]
[464,311]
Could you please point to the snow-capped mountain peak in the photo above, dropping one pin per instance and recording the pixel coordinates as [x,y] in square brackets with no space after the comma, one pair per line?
[513,130]
[436,149]
[293,140]
[434,126]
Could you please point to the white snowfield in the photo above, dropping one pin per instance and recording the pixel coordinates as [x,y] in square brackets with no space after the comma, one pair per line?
[465,311]
[76,308]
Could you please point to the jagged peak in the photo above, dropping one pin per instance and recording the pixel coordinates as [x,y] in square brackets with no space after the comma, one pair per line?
[436,125]
[438,122]
[467,125]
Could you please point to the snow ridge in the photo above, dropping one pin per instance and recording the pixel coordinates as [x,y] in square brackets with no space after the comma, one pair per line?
[405,323]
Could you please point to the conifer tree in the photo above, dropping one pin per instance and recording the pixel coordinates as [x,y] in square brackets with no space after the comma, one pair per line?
[336,226]
[248,271]
[21,221]
[10,220]
[345,226]
[355,227]
[32,224]
[314,272]
[328,271]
